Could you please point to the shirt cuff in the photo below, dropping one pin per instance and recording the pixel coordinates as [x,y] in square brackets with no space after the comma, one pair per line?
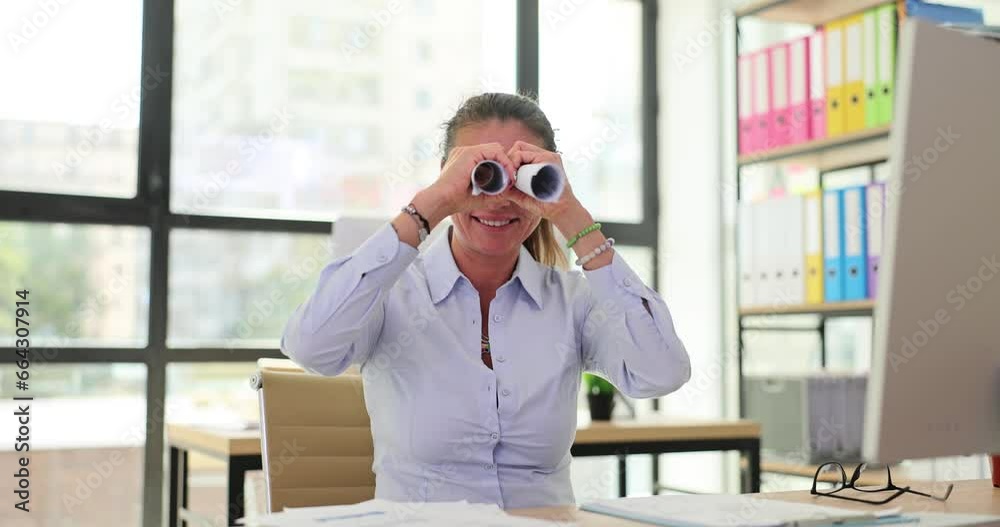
[614,279]
[383,249]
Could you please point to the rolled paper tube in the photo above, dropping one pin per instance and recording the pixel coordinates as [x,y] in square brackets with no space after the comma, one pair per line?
[489,177]
[542,181]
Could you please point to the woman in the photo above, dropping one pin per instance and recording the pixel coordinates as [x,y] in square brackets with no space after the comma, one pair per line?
[472,353]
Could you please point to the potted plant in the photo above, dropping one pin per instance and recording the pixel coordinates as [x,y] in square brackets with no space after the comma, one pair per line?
[995,466]
[600,397]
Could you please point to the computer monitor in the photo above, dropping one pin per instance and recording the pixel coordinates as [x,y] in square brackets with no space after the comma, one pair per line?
[935,378]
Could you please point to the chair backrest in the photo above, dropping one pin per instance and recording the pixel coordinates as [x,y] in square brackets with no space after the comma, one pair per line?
[316,440]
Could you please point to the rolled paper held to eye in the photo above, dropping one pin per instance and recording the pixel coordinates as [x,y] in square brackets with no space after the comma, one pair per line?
[489,177]
[542,181]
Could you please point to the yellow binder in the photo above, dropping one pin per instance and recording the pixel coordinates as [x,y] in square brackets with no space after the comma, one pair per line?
[854,78]
[835,88]
[813,219]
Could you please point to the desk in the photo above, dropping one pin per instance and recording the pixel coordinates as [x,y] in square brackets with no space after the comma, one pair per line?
[622,438]
[241,450]
[969,497]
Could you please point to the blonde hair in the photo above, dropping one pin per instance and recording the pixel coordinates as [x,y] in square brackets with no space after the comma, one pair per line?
[542,243]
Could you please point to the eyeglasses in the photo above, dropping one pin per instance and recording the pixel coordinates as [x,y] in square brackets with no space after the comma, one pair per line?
[843,483]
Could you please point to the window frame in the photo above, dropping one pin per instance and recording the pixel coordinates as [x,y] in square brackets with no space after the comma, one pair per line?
[150,208]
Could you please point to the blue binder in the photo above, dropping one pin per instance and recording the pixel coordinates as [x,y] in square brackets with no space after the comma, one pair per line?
[943,14]
[833,246]
[855,243]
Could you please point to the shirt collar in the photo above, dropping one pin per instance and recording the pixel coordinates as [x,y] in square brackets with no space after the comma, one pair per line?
[443,273]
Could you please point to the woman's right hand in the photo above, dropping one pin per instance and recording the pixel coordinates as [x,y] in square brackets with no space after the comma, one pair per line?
[452,192]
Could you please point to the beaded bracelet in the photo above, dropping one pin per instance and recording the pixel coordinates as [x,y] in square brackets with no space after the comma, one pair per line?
[607,245]
[581,234]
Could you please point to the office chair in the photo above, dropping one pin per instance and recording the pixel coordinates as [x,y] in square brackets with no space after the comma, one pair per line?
[316,440]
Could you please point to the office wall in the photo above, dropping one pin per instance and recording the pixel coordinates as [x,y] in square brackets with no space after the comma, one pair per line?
[691,40]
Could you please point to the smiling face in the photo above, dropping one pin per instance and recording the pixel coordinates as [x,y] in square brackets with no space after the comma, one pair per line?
[500,228]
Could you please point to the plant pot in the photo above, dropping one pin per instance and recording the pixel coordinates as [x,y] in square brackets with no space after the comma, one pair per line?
[995,464]
[601,405]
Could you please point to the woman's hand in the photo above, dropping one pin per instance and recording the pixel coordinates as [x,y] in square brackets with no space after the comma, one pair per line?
[567,213]
[452,192]
[525,154]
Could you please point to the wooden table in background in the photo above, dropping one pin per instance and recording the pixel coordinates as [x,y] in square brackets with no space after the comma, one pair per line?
[241,450]
[624,438]
[969,497]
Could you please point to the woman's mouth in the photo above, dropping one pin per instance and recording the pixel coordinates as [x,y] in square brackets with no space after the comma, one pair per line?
[495,224]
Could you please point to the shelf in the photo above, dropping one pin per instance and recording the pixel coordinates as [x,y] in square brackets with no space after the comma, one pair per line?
[812,12]
[866,146]
[862,307]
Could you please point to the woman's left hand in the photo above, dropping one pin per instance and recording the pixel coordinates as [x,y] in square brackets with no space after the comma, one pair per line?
[523,153]
[567,214]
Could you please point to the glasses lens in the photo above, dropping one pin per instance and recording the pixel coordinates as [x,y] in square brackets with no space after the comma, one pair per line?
[830,478]
[867,477]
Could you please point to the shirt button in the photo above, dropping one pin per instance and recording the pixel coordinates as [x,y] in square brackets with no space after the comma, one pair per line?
[383,258]
[497,318]
[488,466]
[627,282]
[506,392]
[494,436]
[501,358]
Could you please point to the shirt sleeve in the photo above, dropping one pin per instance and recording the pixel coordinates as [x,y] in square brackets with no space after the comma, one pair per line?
[341,322]
[628,334]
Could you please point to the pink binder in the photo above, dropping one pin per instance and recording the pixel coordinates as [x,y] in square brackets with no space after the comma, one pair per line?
[817,85]
[780,112]
[761,100]
[798,91]
[745,104]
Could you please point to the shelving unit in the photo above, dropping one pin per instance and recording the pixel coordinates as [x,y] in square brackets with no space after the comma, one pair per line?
[811,12]
[831,153]
[860,148]
[863,307]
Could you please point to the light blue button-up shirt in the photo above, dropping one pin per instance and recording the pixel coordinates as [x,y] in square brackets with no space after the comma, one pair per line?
[446,427]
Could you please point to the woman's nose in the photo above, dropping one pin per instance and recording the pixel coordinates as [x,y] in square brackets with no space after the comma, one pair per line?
[498,202]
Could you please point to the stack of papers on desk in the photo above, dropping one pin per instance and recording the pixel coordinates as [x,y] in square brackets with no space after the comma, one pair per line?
[744,510]
[381,513]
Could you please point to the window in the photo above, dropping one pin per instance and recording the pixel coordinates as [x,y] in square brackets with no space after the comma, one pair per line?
[87,470]
[102,273]
[423,98]
[590,64]
[284,116]
[213,394]
[237,289]
[72,137]
[640,259]
[324,127]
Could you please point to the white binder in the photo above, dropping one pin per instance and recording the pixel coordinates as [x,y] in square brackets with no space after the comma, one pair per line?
[793,219]
[748,279]
[763,250]
[788,228]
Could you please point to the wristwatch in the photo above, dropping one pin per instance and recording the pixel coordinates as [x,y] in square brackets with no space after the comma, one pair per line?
[423,228]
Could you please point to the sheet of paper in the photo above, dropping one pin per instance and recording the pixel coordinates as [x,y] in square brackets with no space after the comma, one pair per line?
[381,513]
[941,519]
[719,510]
